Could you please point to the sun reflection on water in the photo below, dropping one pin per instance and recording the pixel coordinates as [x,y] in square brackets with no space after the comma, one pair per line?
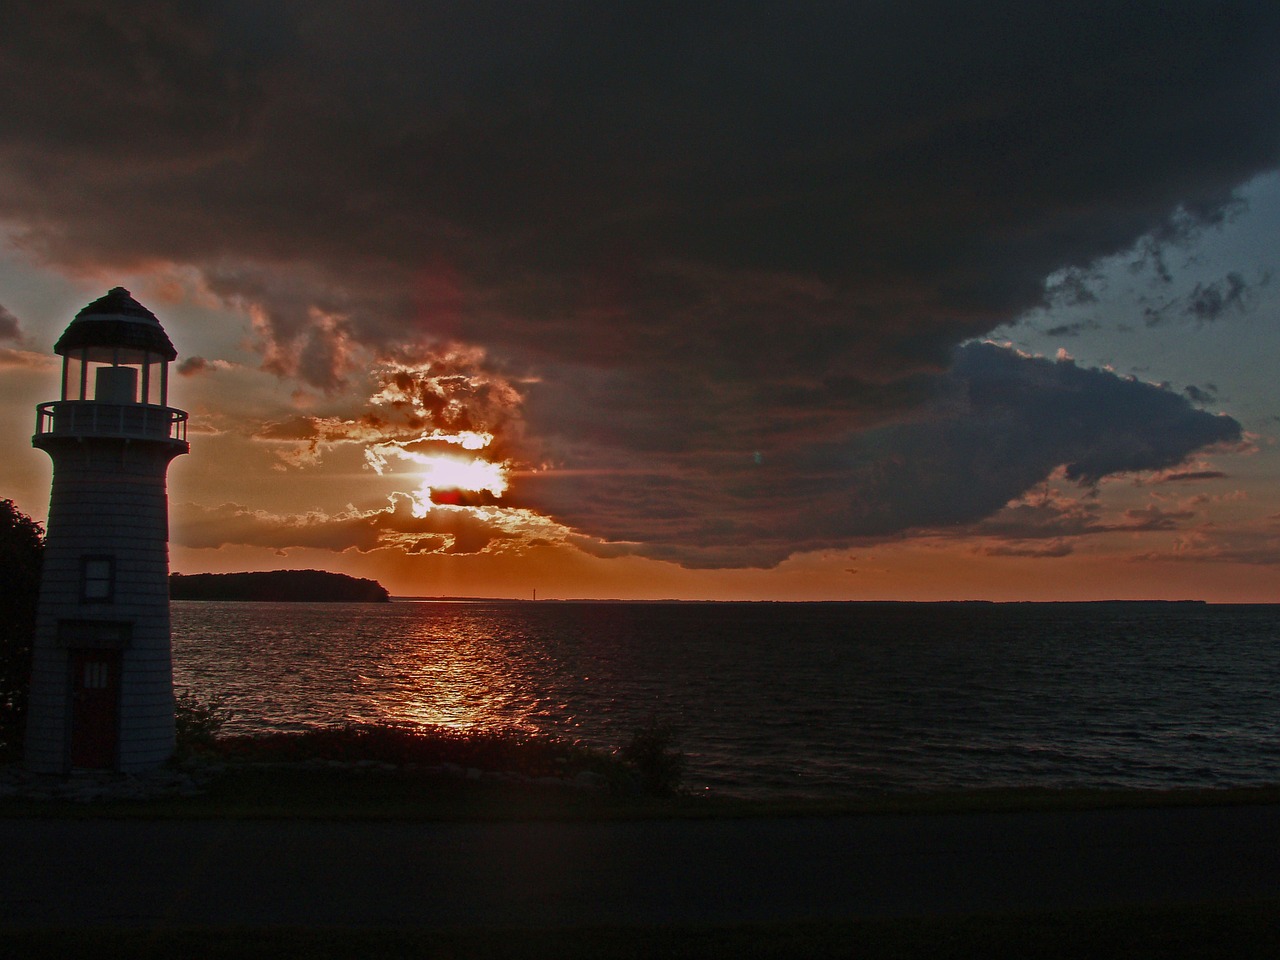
[407,663]
[452,674]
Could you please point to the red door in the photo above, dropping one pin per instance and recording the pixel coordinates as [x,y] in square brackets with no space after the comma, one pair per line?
[95,707]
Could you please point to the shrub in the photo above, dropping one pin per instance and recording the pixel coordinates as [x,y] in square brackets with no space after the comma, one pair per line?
[648,763]
[512,750]
[652,755]
[198,722]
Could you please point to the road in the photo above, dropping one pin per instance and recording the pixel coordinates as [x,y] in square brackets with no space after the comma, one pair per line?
[67,873]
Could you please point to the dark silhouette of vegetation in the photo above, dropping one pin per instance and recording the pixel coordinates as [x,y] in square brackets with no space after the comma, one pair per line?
[652,753]
[277,586]
[647,766]
[198,722]
[513,750]
[21,553]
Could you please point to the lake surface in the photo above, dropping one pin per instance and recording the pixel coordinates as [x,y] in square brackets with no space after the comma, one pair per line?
[772,700]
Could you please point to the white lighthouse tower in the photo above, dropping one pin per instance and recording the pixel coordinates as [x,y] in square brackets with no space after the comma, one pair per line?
[102,677]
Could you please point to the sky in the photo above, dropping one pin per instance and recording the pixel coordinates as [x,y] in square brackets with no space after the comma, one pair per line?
[909,300]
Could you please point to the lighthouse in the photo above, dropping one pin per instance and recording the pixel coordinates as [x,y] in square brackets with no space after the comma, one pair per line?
[102,673]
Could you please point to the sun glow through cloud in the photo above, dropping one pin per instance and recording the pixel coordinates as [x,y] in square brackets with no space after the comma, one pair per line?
[448,473]
[443,471]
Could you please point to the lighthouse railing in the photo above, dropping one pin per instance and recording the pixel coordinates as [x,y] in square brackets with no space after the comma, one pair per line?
[141,421]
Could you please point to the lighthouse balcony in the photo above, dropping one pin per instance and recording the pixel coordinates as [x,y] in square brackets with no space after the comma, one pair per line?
[92,418]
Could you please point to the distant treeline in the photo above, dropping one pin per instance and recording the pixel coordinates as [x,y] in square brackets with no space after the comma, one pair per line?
[277,586]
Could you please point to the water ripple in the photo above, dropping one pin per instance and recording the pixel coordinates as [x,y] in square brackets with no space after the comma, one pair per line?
[796,699]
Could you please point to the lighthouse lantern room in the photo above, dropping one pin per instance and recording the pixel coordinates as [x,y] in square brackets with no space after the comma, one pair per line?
[102,677]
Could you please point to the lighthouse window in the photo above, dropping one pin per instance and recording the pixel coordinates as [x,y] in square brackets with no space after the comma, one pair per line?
[97,579]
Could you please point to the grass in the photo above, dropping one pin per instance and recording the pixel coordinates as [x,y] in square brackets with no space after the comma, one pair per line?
[386,772]
[1239,931]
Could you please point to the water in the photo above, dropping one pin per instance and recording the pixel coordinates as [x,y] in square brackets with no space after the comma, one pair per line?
[772,700]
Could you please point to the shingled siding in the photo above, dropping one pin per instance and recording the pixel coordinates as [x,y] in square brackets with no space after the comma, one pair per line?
[108,500]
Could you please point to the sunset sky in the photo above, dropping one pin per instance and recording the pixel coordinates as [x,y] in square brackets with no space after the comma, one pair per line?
[876,300]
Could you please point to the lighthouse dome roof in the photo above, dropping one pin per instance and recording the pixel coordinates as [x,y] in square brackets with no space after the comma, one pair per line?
[116,322]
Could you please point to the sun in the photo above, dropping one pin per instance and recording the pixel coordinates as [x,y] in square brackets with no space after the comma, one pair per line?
[445,472]
[442,472]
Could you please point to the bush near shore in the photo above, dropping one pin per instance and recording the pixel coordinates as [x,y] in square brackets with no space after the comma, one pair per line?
[648,764]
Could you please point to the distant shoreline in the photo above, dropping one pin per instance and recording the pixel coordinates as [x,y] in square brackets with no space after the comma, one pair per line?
[277,586]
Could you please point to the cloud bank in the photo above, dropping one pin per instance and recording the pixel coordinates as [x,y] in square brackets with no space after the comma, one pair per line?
[729,259]
[993,425]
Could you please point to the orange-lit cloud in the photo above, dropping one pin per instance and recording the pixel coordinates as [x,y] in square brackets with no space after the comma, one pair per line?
[1254,545]
[432,423]
[405,524]
[27,360]
[194,366]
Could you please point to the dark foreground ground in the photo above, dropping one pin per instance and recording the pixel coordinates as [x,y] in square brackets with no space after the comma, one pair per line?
[1179,881]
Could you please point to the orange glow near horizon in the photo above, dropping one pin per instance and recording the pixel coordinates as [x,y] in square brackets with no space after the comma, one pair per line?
[905,571]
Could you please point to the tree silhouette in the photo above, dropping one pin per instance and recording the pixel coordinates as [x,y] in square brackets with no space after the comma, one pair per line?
[21,552]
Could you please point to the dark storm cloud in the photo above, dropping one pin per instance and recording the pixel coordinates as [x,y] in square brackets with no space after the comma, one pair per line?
[1202,395]
[996,424]
[1071,329]
[1182,476]
[1049,526]
[1073,287]
[1207,302]
[736,244]
[10,329]
[959,151]
[192,366]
